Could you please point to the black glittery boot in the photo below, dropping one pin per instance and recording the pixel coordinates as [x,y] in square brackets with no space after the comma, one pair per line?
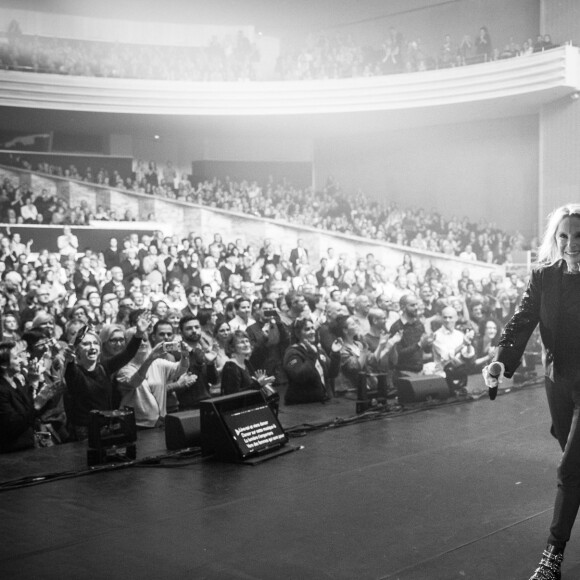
[549,568]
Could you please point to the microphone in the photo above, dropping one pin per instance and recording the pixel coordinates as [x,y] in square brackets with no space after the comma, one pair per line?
[494,371]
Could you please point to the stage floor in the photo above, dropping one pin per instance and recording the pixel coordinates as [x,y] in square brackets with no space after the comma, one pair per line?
[461,490]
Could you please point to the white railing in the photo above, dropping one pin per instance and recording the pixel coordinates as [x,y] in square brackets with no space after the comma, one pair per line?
[548,75]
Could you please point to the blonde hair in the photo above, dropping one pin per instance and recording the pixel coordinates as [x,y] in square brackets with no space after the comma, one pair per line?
[548,250]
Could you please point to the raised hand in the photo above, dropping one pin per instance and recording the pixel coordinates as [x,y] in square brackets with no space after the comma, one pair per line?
[143,323]
[262,377]
[157,351]
[337,345]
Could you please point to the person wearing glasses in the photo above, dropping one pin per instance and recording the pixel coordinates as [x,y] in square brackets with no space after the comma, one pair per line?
[145,382]
[113,341]
[89,383]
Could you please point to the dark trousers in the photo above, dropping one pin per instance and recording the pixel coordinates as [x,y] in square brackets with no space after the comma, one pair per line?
[564,402]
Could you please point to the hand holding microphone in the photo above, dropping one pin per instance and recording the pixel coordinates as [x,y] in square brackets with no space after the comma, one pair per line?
[492,374]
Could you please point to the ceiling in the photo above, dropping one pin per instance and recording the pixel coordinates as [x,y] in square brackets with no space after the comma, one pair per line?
[266,15]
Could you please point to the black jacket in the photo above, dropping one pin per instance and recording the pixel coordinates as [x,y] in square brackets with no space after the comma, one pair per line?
[16,418]
[539,305]
[304,382]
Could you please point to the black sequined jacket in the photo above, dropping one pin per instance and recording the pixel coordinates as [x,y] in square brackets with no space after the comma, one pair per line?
[540,304]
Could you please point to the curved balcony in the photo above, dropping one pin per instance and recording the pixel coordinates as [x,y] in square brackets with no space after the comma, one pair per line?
[496,89]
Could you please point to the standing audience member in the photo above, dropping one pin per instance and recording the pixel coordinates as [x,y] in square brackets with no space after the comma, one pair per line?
[362,305]
[146,380]
[67,243]
[269,340]
[89,382]
[453,350]
[16,403]
[410,349]
[242,319]
[308,368]
[238,374]
[356,358]
[485,345]
[201,364]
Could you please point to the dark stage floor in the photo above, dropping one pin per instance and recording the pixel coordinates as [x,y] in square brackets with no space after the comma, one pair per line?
[462,490]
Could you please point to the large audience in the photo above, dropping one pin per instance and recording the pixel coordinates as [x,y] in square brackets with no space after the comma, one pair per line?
[331,208]
[324,55]
[159,323]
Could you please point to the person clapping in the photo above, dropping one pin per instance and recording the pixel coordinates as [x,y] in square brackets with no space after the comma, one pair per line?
[89,382]
[146,380]
[237,373]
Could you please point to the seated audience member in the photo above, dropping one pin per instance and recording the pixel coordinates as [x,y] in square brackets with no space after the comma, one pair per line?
[146,380]
[410,349]
[16,402]
[308,368]
[89,381]
[238,374]
[201,364]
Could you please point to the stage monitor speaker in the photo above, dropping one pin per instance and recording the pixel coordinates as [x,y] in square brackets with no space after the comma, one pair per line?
[182,430]
[240,427]
[112,436]
[421,388]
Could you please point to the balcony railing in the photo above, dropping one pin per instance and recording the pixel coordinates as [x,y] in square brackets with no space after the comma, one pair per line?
[533,80]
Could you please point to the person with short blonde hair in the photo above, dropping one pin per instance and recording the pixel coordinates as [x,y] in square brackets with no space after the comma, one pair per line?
[552,301]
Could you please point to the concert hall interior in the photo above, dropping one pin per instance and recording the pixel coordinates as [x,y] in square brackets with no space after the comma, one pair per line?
[256,259]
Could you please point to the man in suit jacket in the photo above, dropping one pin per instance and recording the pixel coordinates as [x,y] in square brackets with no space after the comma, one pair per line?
[298,254]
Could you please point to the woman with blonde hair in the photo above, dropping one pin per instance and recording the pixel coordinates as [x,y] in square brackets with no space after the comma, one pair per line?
[89,383]
[552,301]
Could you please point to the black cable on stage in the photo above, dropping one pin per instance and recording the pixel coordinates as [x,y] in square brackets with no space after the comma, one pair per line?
[386,412]
[194,453]
[124,463]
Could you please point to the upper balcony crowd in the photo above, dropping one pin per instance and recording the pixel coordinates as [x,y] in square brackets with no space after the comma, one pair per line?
[331,208]
[321,56]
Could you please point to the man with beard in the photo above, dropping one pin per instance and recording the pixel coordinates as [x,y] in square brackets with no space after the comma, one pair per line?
[201,364]
[414,339]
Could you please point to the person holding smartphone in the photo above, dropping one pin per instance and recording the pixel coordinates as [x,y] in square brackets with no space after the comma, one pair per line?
[146,380]
[269,340]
